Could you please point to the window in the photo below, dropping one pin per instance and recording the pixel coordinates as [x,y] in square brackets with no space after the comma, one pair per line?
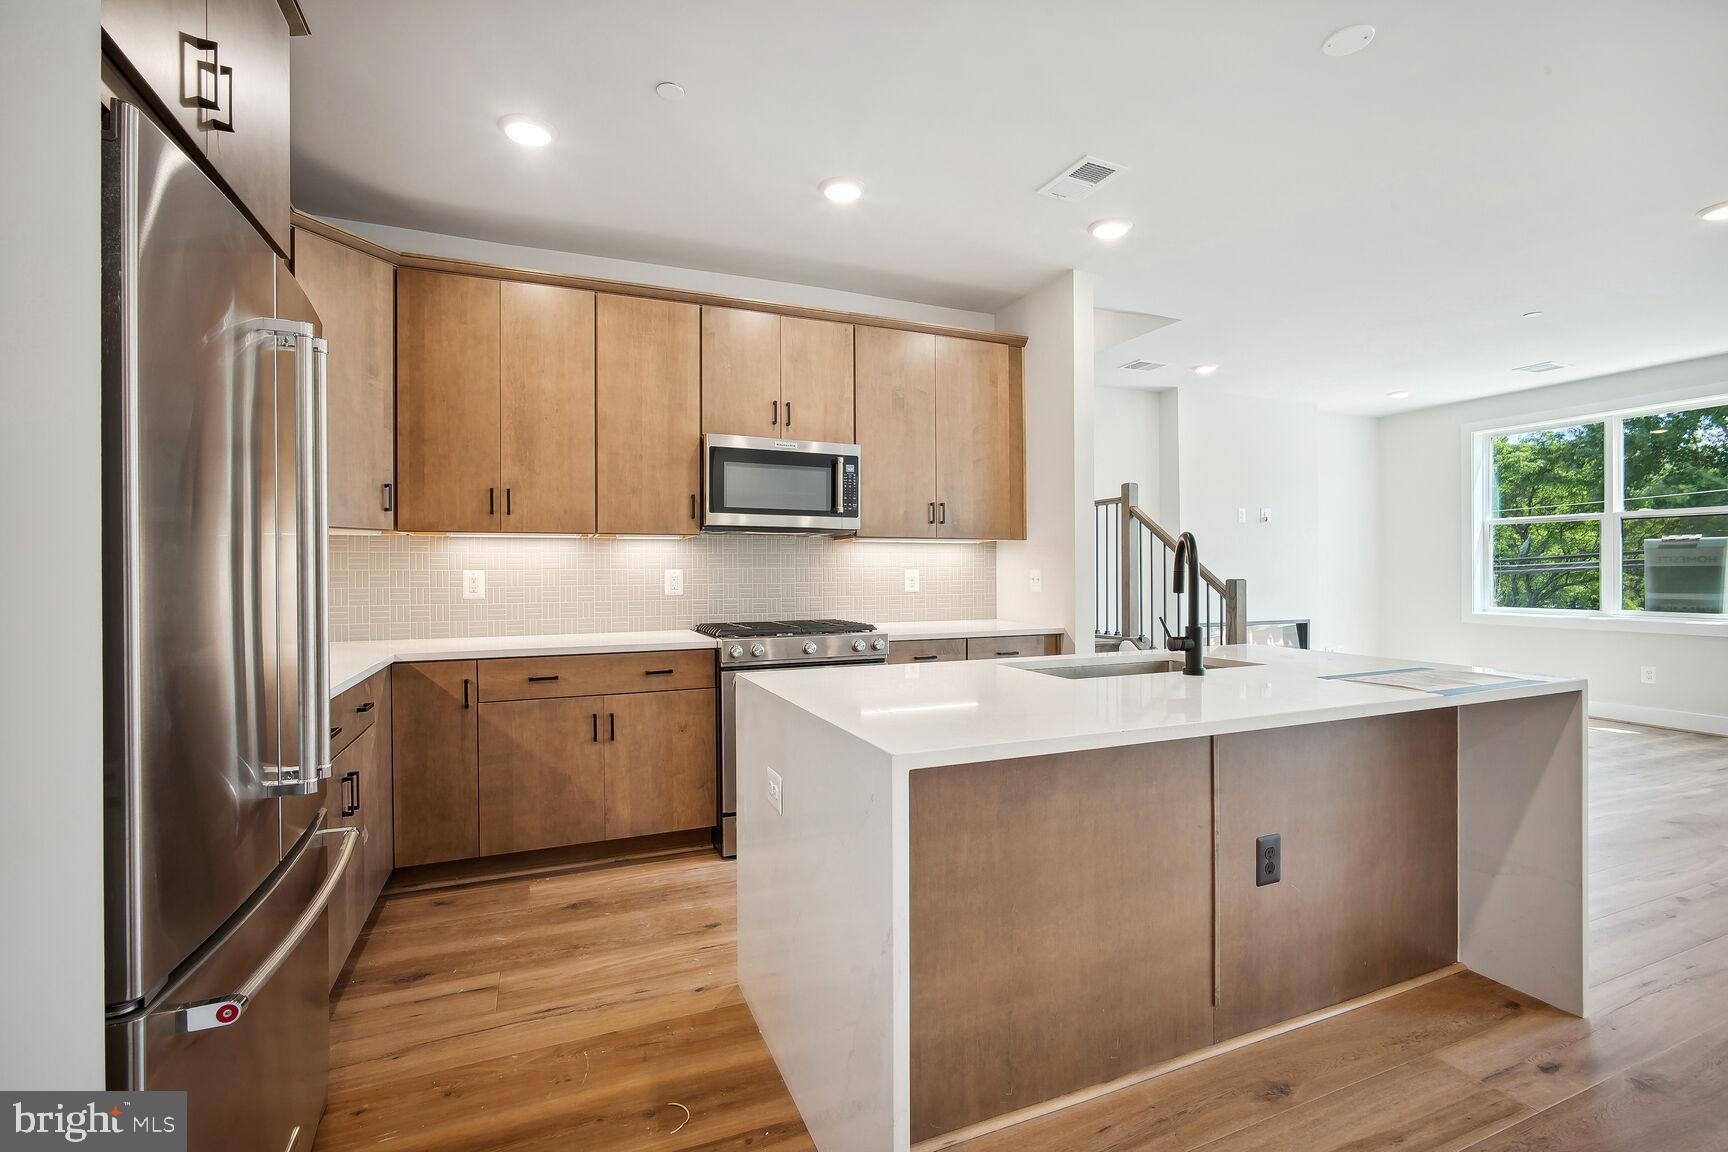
[1620,515]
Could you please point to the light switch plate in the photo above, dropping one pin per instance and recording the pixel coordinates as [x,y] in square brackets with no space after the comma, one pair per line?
[911,579]
[674,581]
[473,584]
[1035,579]
[1241,515]
[1265,515]
[776,791]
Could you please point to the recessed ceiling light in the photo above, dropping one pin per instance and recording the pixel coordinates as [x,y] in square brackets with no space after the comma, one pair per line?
[667,90]
[525,132]
[1531,315]
[1110,229]
[1204,369]
[1349,41]
[1401,394]
[1716,212]
[841,190]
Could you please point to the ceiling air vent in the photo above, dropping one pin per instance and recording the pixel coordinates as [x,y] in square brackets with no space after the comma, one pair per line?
[1538,368]
[1141,365]
[1080,179]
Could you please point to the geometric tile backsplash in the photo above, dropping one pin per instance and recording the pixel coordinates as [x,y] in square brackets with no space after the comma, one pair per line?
[393,587]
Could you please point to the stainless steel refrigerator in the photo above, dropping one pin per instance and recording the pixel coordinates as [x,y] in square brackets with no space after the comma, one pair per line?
[216,692]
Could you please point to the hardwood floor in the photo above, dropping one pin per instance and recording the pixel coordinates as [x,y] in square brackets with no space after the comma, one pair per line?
[598,1010]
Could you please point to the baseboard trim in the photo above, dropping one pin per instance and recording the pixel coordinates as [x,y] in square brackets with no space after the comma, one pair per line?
[1033,1112]
[1705,722]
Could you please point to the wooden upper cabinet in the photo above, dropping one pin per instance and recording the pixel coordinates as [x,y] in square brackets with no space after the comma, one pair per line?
[648,414]
[896,410]
[546,400]
[447,411]
[242,46]
[973,440]
[741,361]
[816,379]
[355,295]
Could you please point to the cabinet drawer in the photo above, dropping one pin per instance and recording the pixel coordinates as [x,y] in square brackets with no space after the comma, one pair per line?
[547,677]
[353,711]
[1000,647]
[925,651]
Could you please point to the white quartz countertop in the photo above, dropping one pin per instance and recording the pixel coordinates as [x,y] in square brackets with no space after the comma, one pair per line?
[970,711]
[353,661]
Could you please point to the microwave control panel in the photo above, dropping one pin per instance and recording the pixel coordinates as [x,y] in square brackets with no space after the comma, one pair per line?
[849,488]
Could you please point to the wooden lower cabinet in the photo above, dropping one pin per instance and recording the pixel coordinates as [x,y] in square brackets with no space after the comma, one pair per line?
[1003,647]
[926,651]
[437,784]
[542,773]
[660,761]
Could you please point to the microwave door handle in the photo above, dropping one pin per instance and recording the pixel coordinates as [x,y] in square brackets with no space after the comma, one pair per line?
[839,485]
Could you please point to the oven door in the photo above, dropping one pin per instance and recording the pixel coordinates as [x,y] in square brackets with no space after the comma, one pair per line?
[755,484]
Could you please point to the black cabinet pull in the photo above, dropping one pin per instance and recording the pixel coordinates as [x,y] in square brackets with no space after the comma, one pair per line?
[932,656]
[658,672]
[932,511]
[464,691]
[359,800]
[1008,653]
[336,731]
[506,500]
[491,501]
[542,679]
[595,738]
[692,505]
[350,807]
[389,497]
[775,419]
[611,725]
[788,414]
[365,708]
[942,505]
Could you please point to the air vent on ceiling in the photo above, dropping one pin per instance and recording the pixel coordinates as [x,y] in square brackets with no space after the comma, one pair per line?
[1543,366]
[1080,179]
[1141,365]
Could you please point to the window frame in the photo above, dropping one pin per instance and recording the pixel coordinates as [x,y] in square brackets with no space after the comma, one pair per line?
[1479,525]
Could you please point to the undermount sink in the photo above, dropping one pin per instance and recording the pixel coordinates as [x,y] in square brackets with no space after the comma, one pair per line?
[1150,665]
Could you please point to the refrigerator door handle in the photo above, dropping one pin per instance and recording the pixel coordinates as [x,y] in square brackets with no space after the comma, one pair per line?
[221,1011]
[321,548]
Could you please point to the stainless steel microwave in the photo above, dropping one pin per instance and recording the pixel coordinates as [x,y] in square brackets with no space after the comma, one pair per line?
[758,484]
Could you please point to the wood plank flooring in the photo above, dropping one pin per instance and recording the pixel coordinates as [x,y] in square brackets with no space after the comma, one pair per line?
[597,1010]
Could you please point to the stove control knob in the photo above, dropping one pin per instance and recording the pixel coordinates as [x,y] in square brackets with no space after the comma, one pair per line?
[860,645]
[809,647]
[736,652]
[758,650]
[878,645]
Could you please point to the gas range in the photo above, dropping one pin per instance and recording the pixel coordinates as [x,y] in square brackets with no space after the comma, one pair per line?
[761,643]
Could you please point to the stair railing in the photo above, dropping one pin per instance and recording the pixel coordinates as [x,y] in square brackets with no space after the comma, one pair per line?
[1132,571]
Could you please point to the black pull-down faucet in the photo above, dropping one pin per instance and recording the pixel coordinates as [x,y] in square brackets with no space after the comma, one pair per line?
[1192,641]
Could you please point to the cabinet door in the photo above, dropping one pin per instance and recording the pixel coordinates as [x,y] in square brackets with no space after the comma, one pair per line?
[972,440]
[546,407]
[648,395]
[740,372]
[154,39]
[434,734]
[352,901]
[355,295]
[447,403]
[896,432]
[378,800]
[542,773]
[660,765]
[251,150]
[816,379]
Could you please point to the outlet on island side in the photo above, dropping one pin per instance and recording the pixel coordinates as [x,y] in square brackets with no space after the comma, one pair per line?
[1647,673]
[1268,860]
[776,791]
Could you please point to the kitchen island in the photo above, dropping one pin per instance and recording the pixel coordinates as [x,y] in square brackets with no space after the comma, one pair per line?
[969,891]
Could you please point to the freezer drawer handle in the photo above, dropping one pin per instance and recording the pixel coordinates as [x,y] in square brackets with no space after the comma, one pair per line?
[225,1010]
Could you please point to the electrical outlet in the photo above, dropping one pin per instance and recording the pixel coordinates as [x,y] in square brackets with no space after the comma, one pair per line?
[1265,515]
[473,584]
[1035,579]
[1241,515]
[674,581]
[911,579]
[776,791]
[1647,673]
[1268,860]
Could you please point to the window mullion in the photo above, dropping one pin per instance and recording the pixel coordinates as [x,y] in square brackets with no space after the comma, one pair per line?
[1614,438]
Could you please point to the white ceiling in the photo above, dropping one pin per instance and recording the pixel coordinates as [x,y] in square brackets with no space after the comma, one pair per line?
[1332,229]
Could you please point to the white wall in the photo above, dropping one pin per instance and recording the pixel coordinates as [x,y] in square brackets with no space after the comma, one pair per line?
[1348,560]
[662,275]
[50,614]
[1057,320]
[1127,443]
[1423,514]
